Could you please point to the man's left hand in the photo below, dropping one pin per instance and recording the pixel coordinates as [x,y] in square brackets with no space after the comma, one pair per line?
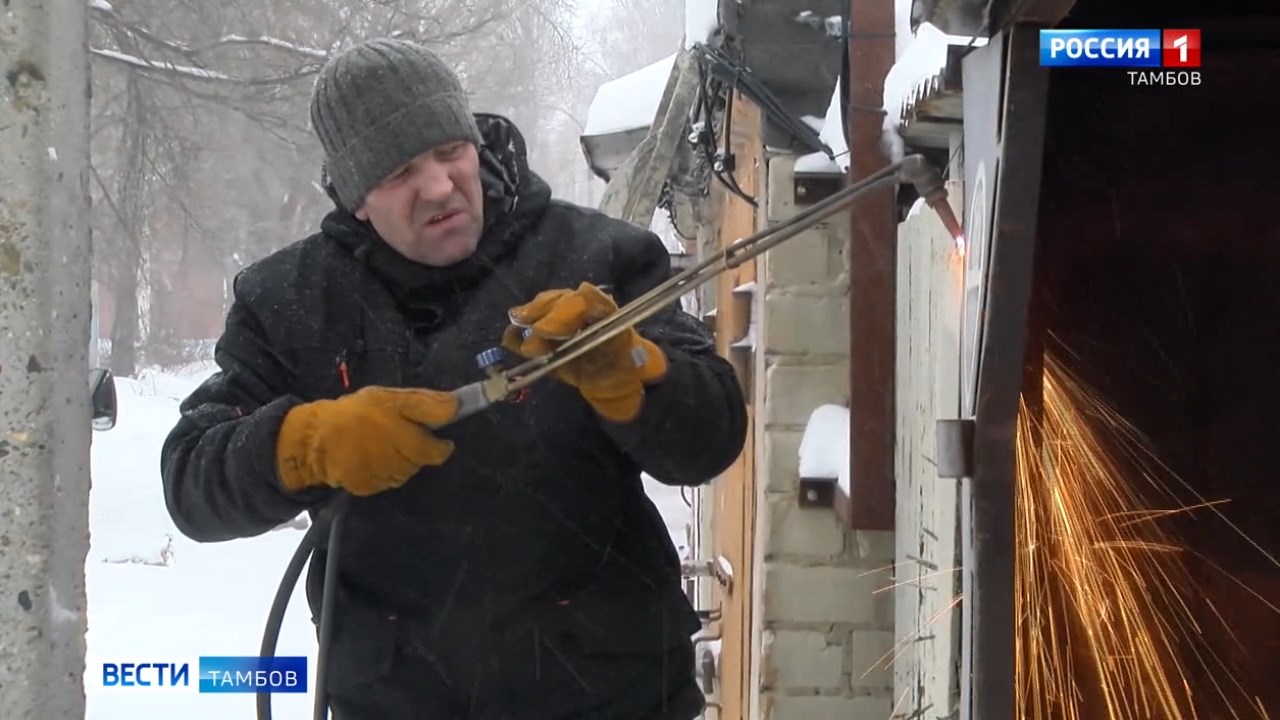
[611,377]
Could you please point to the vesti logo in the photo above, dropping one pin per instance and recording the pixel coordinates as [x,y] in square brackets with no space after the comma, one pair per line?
[1176,52]
[218,674]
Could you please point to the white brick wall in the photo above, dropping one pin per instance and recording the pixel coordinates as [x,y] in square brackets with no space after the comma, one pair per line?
[793,391]
[825,617]
[798,534]
[815,260]
[805,658]
[871,660]
[781,448]
[819,594]
[807,325]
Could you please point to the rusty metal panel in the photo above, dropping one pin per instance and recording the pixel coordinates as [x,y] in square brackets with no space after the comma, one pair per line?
[872,273]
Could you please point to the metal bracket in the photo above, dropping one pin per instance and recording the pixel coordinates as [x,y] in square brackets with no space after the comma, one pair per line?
[817,492]
[955,448]
[810,189]
[719,569]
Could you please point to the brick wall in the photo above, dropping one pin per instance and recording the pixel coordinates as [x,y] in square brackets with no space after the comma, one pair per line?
[823,615]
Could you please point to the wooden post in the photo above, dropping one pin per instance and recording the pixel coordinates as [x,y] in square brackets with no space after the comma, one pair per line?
[734,494]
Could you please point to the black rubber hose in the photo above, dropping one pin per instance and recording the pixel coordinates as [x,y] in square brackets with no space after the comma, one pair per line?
[275,617]
[331,525]
[321,711]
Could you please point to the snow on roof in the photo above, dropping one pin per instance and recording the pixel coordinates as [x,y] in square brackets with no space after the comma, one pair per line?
[923,58]
[701,18]
[830,133]
[824,447]
[631,101]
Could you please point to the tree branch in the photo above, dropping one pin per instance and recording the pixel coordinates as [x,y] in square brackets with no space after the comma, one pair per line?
[190,72]
[268,41]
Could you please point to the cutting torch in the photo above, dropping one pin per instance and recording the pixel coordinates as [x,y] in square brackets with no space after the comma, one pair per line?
[501,384]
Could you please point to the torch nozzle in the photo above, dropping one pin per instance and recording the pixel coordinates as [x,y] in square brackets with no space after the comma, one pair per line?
[928,182]
[949,220]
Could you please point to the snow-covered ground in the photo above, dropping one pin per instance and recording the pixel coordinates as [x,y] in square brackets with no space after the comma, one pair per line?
[155,596]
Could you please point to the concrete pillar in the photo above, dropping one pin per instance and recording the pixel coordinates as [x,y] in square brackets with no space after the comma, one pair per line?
[44,323]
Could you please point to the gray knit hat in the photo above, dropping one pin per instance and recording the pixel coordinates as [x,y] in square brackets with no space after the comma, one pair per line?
[380,104]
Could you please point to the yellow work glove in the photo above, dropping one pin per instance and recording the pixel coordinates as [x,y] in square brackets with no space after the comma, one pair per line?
[610,377]
[366,442]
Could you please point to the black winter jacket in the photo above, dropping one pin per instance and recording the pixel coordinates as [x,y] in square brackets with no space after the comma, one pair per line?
[541,505]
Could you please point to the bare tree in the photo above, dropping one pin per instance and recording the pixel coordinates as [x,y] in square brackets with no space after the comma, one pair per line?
[630,34]
[621,37]
[202,159]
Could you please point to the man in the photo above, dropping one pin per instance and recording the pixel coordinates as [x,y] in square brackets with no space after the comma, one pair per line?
[508,565]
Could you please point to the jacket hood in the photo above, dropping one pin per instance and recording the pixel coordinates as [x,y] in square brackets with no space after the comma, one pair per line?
[515,198]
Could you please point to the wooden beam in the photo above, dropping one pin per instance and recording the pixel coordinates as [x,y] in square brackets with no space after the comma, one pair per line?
[632,194]
[733,495]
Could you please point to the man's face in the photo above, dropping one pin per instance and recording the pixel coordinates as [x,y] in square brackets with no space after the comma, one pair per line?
[431,209]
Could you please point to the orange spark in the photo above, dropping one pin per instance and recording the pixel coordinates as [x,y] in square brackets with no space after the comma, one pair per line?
[1103,630]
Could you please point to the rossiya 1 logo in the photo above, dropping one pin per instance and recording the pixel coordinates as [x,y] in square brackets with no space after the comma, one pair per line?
[1149,56]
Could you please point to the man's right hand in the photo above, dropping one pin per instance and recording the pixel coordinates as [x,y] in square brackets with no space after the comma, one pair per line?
[372,440]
